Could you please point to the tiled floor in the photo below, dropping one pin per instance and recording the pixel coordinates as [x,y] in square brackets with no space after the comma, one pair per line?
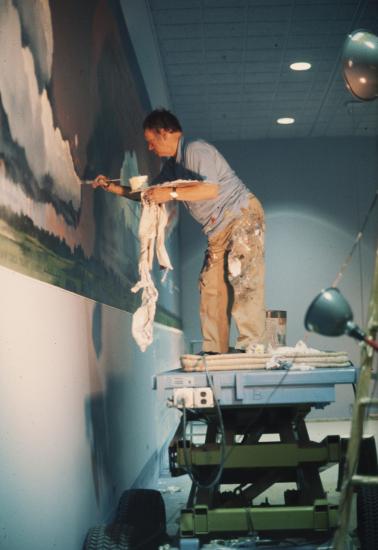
[175,491]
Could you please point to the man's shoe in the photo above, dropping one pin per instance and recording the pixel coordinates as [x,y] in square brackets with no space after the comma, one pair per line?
[235,350]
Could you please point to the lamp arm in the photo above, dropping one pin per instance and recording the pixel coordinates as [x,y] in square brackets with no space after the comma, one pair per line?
[371,342]
[355,331]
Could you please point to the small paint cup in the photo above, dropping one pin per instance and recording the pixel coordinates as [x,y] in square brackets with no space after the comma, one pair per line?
[138,182]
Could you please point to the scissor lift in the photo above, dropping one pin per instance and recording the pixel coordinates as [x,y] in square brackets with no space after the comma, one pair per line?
[256,438]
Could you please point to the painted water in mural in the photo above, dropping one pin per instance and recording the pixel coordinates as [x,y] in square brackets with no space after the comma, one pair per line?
[72,103]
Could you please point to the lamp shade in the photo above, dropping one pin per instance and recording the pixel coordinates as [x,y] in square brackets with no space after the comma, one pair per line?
[360,64]
[329,313]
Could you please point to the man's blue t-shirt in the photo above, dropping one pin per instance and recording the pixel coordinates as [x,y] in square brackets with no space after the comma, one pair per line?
[199,160]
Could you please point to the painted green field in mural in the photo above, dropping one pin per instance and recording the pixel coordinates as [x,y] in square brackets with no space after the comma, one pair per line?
[76,273]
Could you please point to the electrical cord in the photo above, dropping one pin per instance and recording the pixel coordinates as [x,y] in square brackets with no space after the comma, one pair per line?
[215,481]
[224,455]
[356,241]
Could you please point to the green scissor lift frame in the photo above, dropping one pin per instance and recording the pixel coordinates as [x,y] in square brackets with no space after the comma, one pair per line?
[252,466]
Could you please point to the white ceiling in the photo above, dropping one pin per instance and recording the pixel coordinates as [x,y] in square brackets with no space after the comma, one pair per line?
[226,64]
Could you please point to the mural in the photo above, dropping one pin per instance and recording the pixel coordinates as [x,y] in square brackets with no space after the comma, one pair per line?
[72,102]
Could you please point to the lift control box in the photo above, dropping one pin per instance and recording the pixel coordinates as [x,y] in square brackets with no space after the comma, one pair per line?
[193,398]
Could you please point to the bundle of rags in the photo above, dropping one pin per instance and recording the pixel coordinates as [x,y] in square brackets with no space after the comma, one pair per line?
[153,221]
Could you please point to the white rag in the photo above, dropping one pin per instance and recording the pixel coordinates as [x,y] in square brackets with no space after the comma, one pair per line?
[152,225]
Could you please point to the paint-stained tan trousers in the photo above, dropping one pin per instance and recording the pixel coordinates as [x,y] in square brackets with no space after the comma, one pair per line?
[232,282]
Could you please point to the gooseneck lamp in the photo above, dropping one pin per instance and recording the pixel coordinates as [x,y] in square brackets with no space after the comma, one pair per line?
[330,314]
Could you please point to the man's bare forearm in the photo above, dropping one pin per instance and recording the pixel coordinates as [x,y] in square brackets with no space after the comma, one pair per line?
[116,189]
[198,192]
[123,191]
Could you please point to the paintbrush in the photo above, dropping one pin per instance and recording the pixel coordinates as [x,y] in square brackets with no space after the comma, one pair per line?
[89,182]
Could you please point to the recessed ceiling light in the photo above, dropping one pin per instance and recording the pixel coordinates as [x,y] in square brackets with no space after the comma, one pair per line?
[300,66]
[285,120]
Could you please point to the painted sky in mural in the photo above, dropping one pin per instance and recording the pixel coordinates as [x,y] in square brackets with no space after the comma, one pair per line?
[71,106]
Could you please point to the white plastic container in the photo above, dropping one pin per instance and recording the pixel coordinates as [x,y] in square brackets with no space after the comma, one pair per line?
[276,327]
[138,182]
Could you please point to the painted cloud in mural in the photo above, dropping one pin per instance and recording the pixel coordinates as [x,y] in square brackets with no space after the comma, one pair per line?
[37,30]
[27,107]
[70,100]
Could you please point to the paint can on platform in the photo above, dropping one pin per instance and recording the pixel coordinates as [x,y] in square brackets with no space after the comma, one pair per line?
[276,327]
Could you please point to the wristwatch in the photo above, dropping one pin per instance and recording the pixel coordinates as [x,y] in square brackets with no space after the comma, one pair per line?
[173,193]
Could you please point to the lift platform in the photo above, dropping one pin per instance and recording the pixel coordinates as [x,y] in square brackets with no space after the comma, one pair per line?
[254,436]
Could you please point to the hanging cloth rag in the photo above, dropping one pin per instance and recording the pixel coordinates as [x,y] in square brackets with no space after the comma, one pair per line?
[153,221]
